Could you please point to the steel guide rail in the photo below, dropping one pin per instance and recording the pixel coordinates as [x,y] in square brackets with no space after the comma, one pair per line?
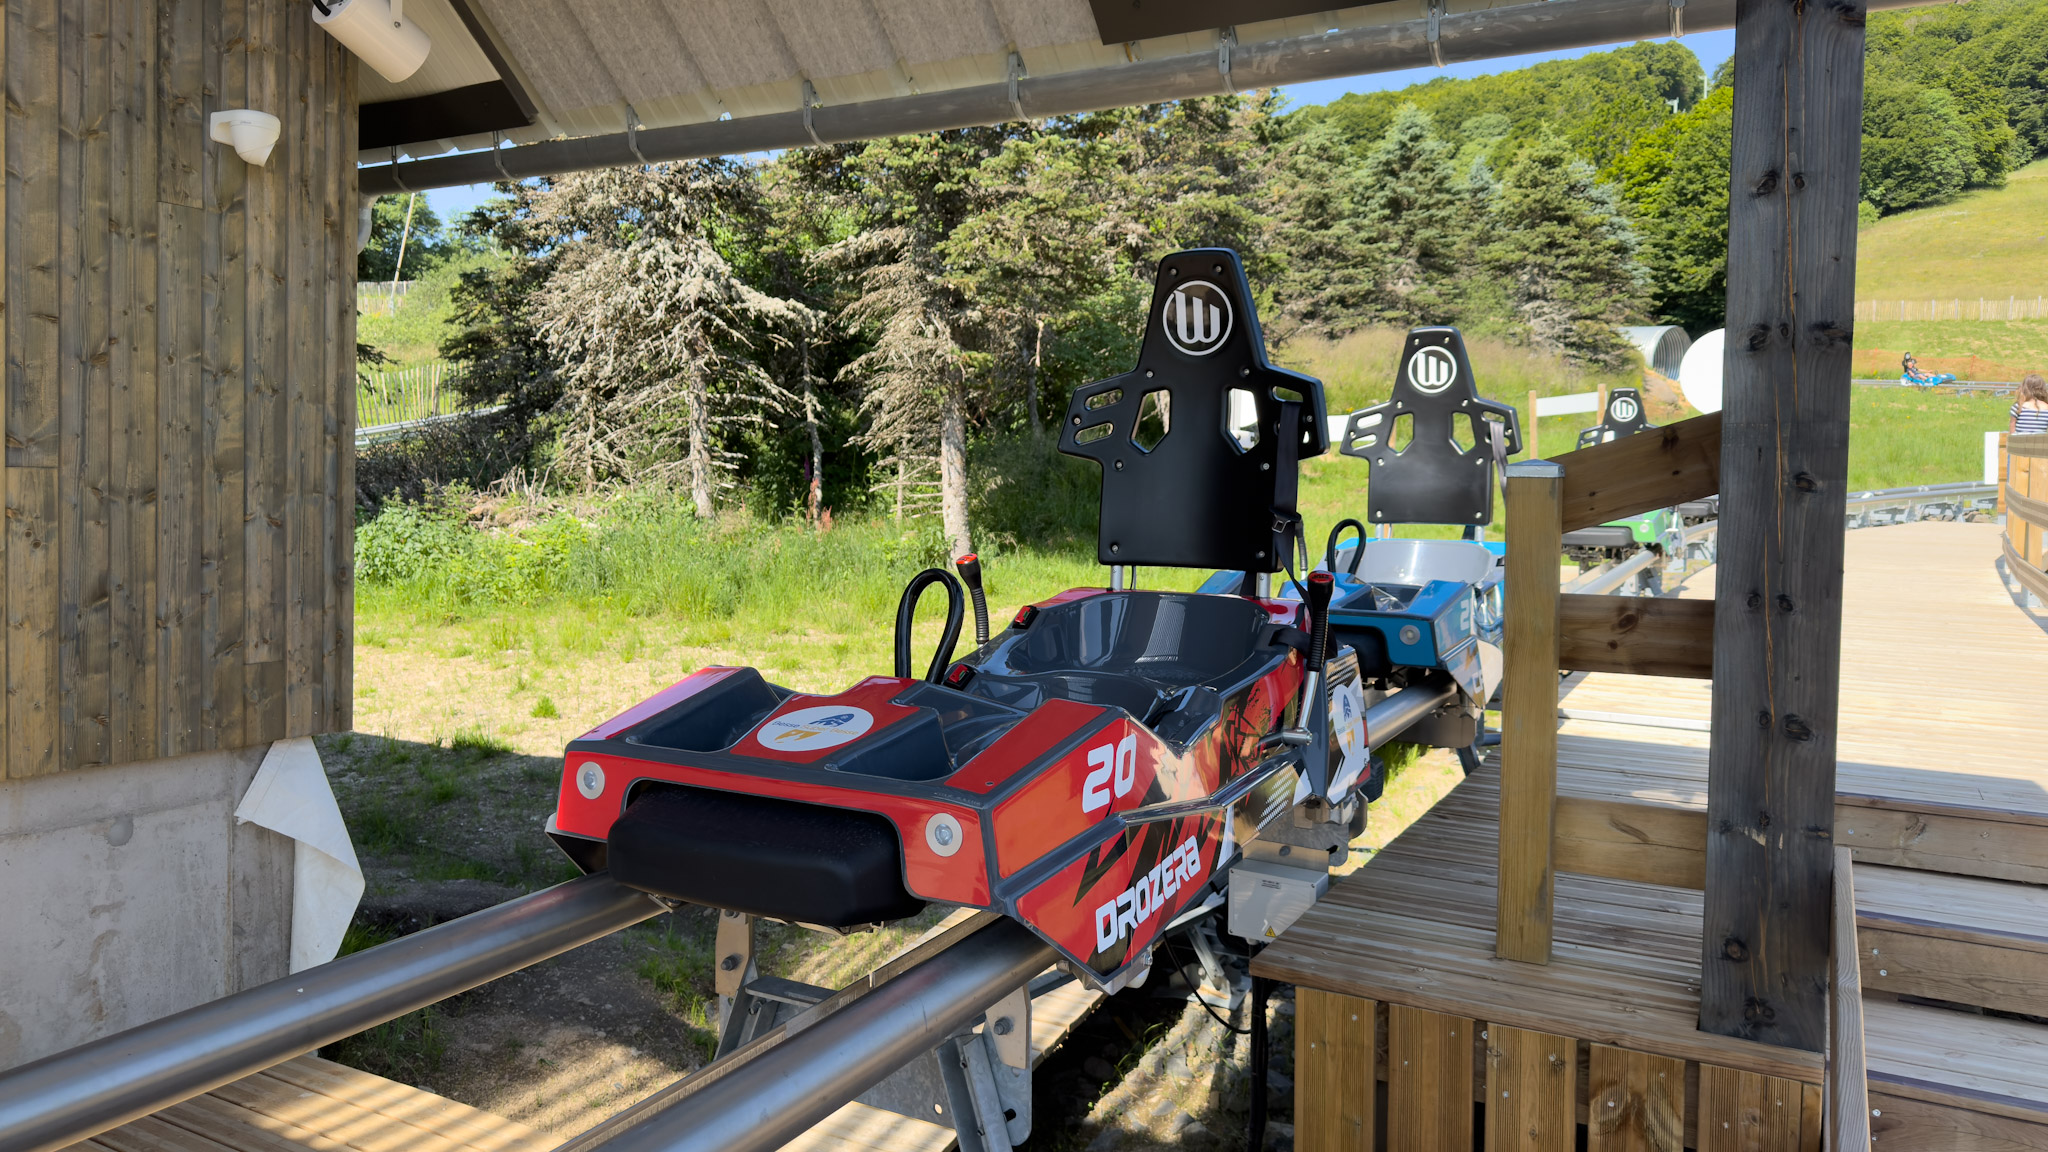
[72,1095]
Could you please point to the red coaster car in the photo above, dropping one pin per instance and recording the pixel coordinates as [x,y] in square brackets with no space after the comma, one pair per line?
[1092,770]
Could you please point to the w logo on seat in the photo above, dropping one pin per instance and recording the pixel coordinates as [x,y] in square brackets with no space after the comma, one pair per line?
[1431,370]
[1196,318]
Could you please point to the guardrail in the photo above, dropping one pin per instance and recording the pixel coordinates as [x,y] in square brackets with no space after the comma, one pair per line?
[379,433]
[1993,386]
[1959,501]
[2023,490]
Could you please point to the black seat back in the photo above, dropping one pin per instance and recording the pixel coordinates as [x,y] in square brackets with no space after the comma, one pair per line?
[1200,496]
[1624,416]
[1431,479]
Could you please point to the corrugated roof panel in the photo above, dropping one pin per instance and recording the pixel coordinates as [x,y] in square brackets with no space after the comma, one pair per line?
[553,53]
[927,31]
[1042,23]
[842,39]
[642,48]
[736,43]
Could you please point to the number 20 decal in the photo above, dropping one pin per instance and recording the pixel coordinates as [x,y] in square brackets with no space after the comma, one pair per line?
[1110,765]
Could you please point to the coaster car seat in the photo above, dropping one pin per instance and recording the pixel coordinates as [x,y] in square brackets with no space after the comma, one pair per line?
[1090,770]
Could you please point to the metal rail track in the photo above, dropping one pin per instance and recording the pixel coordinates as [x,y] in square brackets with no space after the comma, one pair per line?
[759,1097]
[62,1099]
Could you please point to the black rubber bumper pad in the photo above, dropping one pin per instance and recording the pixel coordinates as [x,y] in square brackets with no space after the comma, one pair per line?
[785,860]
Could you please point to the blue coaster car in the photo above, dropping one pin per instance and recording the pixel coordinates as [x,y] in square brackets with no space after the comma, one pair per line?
[1425,611]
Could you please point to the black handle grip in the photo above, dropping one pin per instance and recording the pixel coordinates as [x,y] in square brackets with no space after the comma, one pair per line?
[970,575]
[906,612]
[1330,548]
[1321,586]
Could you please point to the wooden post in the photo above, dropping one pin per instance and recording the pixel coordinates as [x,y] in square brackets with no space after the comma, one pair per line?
[1528,743]
[2004,466]
[1848,1112]
[1535,426]
[1784,472]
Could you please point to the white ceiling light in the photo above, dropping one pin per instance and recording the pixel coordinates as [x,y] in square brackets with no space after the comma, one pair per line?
[377,32]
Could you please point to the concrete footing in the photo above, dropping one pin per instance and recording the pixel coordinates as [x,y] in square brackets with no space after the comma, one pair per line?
[129,893]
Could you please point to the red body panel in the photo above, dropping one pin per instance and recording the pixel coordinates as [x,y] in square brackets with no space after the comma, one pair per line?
[1110,905]
[959,879]
[1024,747]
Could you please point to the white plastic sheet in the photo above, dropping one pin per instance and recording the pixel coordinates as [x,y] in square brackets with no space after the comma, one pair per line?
[290,796]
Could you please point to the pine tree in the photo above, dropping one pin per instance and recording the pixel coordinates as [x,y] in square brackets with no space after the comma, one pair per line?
[657,334]
[1414,217]
[1329,273]
[1564,249]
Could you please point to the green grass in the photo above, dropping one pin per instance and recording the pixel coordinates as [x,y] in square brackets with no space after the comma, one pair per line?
[1899,437]
[413,334]
[1991,243]
[1971,349]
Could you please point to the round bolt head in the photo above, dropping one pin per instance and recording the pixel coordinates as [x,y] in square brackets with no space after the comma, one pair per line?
[942,834]
[1004,1026]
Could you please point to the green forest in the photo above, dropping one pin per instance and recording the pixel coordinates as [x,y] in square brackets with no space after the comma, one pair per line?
[892,327]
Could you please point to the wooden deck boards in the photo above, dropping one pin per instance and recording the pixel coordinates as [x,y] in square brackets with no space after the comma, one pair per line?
[1415,927]
[1943,770]
[1941,685]
[310,1103]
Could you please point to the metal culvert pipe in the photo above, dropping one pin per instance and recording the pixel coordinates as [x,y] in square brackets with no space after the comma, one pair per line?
[62,1099]
[776,1097]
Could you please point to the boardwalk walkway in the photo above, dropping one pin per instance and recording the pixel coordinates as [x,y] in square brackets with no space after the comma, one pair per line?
[1943,795]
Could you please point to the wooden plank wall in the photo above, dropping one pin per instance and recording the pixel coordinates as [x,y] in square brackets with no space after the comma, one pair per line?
[1535,1091]
[179,402]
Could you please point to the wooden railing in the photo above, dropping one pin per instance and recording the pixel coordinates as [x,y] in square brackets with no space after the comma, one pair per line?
[1547,632]
[2023,493]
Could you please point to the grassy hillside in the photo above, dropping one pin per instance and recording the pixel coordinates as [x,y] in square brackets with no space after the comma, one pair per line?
[1990,243]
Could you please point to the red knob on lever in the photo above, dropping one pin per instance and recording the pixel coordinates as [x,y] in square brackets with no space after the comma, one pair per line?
[1322,587]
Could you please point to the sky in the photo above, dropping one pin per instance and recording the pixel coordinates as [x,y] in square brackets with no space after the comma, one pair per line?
[1710,47]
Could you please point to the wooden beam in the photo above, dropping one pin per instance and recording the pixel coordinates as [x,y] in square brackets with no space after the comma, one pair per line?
[1652,469]
[1532,1091]
[1333,1075]
[1784,469]
[1635,1102]
[1646,843]
[1429,1079]
[1528,769]
[1744,1111]
[1848,1112]
[1641,635]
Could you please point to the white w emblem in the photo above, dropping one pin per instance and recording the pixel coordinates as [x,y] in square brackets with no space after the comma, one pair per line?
[1623,409]
[1432,370]
[1196,318]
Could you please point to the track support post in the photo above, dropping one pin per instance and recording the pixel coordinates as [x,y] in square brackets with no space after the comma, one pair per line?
[1528,739]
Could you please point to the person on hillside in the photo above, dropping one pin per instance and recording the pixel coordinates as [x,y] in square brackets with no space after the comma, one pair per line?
[1911,374]
[2030,411]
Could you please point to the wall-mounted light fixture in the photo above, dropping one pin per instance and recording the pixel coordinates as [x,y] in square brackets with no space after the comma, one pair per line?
[377,32]
[252,133]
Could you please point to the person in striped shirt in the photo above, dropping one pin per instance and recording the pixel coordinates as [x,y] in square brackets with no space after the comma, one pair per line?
[2030,411]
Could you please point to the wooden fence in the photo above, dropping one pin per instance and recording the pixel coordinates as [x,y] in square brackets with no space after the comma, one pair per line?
[2023,493]
[1955,308]
[395,395]
[380,296]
